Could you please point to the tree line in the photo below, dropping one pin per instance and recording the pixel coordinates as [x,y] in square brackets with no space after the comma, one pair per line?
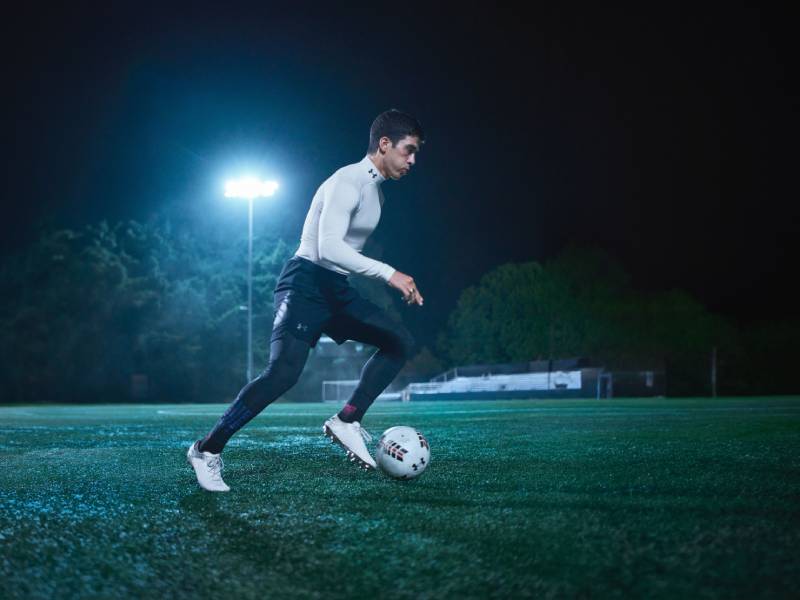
[582,304]
[84,312]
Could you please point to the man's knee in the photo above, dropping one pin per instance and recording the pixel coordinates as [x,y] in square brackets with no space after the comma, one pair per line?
[406,343]
[392,336]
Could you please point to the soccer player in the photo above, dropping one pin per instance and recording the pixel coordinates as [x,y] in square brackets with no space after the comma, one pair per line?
[313,296]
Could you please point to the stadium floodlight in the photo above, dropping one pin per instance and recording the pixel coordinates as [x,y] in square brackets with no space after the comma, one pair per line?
[250,188]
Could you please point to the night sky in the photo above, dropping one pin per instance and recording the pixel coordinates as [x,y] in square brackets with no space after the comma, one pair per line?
[665,136]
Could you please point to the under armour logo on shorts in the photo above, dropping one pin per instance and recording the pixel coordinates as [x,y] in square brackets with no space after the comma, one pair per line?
[303,327]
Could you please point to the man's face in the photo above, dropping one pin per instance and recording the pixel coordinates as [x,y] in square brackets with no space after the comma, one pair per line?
[399,159]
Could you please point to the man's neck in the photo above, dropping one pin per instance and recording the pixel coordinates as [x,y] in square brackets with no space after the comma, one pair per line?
[378,162]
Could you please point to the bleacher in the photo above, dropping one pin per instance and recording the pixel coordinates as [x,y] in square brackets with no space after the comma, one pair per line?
[565,378]
[560,384]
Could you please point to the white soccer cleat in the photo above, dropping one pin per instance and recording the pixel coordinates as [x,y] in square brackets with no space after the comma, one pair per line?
[208,468]
[350,436]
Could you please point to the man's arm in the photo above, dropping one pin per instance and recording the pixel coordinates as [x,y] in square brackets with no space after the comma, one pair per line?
[340,201]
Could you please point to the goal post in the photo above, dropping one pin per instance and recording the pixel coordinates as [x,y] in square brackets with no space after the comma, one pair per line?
[338,390]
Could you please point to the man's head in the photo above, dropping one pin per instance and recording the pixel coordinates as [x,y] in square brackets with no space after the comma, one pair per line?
[394,139]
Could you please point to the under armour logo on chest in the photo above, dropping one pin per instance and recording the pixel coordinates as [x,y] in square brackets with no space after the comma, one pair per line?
[374,174]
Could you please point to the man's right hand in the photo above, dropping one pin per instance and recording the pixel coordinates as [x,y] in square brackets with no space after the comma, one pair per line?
[405,284]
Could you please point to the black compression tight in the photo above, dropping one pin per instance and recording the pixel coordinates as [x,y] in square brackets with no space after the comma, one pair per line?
[288,357]
[286,361]
[395,346]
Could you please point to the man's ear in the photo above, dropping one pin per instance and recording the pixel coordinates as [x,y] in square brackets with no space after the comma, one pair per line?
[384,144]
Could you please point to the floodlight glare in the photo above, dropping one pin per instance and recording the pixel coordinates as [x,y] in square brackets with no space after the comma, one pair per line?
[249,188]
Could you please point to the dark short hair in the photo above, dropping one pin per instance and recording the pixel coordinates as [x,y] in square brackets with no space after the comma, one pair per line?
[395,125]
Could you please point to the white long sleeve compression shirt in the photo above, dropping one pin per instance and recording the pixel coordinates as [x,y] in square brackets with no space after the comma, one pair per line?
[344,212]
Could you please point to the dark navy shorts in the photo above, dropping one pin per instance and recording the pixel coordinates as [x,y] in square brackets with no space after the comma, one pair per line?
[311,300]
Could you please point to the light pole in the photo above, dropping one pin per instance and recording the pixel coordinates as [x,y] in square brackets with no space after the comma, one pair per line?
[249,188]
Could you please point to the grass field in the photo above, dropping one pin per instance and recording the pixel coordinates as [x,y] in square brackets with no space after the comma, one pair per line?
[619,498]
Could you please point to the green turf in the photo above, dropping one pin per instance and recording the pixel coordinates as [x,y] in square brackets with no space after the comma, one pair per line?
[622,498]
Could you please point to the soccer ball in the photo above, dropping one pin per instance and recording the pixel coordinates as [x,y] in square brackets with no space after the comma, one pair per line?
[403,452]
